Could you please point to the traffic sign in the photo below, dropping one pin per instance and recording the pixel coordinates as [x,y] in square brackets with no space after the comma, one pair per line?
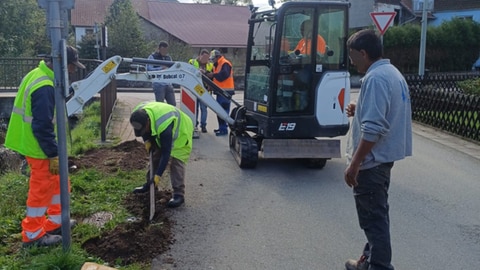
[383,20]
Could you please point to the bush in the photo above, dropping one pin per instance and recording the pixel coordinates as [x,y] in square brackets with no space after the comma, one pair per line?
[471,87]
[452,46]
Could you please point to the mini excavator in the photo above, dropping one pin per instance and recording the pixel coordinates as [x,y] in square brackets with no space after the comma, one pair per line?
[294,99]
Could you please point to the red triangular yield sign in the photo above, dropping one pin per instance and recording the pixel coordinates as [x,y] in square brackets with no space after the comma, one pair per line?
[383,20]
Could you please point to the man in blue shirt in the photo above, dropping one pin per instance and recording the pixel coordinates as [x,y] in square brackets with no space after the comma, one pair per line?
[163,91]
[381,133]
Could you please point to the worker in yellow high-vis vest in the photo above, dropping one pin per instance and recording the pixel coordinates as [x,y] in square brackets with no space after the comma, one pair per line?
[202,62]
[31,132]
[167,131]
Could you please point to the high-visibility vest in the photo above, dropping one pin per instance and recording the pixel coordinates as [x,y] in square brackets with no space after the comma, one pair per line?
[227,84]
[19,135]
[195,63]
[161,115]
[305,46]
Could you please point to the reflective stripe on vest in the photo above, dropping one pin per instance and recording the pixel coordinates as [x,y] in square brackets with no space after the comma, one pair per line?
[164,118]
[26,94]
[167,116]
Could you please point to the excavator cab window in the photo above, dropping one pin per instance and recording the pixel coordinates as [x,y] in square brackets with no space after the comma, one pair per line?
[290,49]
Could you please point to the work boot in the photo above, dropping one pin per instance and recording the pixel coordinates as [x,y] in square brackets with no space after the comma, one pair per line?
[58,231]
[142,189]
[44,241]
[176,201]
[361,264]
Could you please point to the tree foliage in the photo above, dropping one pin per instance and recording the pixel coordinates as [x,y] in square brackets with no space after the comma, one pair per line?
[452,46]
[87,47]
[23,28]
[125,36]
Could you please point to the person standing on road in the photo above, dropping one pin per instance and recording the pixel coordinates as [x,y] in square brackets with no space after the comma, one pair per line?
[162,90]
[167,131]
[31,132]
[381,134]
[202,62]
[222,76]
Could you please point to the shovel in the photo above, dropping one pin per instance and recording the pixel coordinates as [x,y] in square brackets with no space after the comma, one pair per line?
[152,188]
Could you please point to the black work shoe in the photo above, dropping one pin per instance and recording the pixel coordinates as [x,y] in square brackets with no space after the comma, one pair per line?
[176,201]
[204,130]
[58,231]
[44,241]
[361,264]
[142,189]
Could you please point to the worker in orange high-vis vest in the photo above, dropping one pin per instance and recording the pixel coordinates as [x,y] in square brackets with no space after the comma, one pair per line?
[304,45]
[31,132]
[222,76]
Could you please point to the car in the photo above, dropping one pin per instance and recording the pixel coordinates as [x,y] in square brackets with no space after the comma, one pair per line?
[476,65]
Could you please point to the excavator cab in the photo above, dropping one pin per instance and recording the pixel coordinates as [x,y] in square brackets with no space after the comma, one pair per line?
[296,78]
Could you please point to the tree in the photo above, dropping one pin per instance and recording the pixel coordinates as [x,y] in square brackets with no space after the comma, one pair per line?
[87,46]
[23,26]
[125,37]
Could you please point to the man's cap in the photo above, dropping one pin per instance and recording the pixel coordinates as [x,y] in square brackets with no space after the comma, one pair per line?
[72,57]
[215,53]
[138,120]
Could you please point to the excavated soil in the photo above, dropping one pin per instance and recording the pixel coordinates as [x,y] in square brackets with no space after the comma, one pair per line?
[137,240]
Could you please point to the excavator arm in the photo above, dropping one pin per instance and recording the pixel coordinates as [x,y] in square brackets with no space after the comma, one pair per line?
[179,73]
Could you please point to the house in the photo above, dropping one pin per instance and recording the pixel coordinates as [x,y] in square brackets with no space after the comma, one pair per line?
[360,12]
[445,10]
[200,26]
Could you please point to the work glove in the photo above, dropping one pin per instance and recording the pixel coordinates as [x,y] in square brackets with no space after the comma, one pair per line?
[53,166]
[156,180]
[148,146]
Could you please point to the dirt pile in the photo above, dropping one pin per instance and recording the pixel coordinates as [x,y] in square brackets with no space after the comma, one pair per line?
[138,240]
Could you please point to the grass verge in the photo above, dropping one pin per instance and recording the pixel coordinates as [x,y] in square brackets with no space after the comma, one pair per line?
[92,192]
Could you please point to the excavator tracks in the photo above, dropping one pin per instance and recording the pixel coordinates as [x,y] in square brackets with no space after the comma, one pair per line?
[244,149]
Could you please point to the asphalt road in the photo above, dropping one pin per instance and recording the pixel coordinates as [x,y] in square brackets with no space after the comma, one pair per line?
[284,216]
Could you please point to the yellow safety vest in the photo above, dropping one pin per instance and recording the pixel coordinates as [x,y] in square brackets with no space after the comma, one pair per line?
[161,116]
[19,135]
[195,63]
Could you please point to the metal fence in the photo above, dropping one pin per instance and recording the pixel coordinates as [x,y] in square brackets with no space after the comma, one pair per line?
[437,101]
[12,71]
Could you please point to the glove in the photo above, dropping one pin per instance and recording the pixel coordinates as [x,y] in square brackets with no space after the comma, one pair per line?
[148,146]
[156,179]
[53,166]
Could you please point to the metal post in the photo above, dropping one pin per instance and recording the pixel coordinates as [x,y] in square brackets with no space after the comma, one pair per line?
[97,40]
[56,18]
[423,40]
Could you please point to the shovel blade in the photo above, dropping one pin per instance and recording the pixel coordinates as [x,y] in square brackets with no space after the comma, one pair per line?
[152,201]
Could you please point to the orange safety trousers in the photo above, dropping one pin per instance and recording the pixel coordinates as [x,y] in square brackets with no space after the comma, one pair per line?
[43,197]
